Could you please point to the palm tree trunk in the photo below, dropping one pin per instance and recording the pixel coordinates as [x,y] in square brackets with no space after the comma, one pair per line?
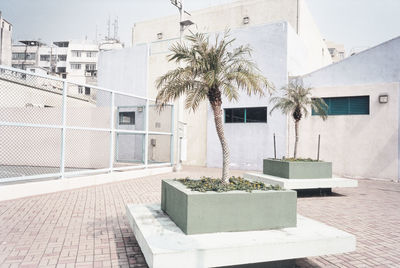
[225,149]
[296,133]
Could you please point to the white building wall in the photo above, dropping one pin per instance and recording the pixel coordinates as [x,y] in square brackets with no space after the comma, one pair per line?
[250,143]
[379,64]
[80,75]
[124,70]
[364,146]
[317,52]
[222,17]
[359,145]
[30,146]
[5,42]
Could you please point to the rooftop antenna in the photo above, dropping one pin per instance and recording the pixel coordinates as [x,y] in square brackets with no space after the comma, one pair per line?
[108,28]
[96,34]
[115,24]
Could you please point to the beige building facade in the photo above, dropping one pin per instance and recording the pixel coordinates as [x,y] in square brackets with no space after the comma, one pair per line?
[364,140]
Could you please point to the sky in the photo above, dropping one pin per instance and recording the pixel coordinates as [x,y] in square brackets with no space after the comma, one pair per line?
[354,23]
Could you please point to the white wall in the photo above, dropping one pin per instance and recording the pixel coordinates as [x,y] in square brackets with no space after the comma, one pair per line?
[260,12]
[379,64]
[358,145]
[251,143]
[218,18]
[365,146]
[317,52]
[5,42]
[42,146]
[124,70]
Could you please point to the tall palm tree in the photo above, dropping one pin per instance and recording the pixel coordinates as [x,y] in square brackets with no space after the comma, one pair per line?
[210,71]
[295,102]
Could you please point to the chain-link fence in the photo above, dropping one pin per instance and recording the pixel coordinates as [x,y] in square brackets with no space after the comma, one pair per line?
[52,128]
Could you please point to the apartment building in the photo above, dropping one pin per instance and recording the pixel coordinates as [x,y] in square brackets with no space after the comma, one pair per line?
[337,51]
[5,41]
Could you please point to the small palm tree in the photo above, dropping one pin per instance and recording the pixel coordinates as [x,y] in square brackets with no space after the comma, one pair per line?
[295,102]
[210,71]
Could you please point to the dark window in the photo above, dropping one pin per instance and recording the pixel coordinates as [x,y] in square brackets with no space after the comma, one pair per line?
[62,57]
[44,57]
[127,118]
[347,105]
[246,115]
[61,69]
[256,115]
[234,115]
[87,90]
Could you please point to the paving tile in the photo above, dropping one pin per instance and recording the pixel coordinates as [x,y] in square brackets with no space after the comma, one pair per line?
[88,227]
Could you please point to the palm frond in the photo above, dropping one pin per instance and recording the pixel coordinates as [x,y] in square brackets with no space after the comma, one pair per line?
[297,98]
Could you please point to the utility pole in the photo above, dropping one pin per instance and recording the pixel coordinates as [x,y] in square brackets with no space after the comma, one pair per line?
[179,109]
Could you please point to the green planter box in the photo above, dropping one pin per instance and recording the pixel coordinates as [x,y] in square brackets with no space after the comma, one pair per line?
[210,212]
[298,169]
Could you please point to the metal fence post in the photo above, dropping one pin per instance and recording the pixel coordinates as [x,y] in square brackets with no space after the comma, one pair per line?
[112,131]
[146,136]
[63,130]
[173,134]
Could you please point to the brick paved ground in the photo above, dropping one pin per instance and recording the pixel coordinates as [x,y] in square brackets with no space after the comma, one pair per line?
[88,228]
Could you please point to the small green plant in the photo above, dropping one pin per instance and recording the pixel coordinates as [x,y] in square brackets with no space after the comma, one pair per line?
[300,160]
[206,184]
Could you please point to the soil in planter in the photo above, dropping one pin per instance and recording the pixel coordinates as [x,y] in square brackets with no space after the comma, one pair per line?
[235,184]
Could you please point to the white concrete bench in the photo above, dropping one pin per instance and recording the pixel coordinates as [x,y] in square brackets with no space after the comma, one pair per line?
[298,184]
[164,245]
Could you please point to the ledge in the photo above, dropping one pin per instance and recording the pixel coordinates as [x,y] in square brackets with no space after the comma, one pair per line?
[164,245]
[298,184]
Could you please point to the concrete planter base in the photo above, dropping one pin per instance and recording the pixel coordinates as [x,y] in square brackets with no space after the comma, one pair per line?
[211,212]
[298,169]
[301,184]
[164,245]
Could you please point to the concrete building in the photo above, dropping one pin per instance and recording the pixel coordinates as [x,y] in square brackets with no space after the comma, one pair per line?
[5,41]
[285,40]
[361,136]
[337,51]
[25,54]
[243,14]
[82,62]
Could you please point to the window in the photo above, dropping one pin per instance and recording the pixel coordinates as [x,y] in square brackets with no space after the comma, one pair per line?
[61,69]
[246,115]
[62,57]
[18,56]
[87,90]
[76,66]
[17,66]
[127,118]
[23,56]
[76,53]
[44,57]
[347,105]
[90,67]
[80,89]
[91,54]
